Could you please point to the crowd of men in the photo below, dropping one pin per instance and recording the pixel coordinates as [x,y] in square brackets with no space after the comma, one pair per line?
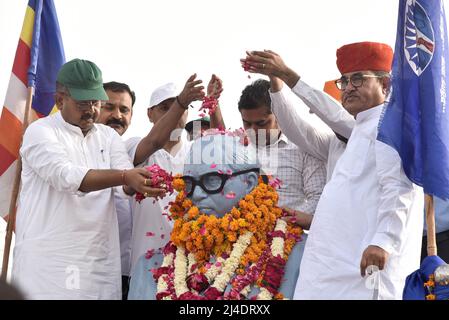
[80,232]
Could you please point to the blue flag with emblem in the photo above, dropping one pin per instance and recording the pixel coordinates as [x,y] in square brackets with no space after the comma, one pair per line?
[416,118]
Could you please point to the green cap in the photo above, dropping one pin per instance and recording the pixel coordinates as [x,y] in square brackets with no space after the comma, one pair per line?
[204,120]
[83,79]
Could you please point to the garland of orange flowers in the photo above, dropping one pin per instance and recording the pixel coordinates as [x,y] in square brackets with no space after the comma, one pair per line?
[204,235]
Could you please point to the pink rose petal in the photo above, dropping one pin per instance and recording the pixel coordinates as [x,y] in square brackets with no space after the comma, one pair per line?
[149,254]
[230,195]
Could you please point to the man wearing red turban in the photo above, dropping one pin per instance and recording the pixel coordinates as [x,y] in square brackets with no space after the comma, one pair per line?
[369,216]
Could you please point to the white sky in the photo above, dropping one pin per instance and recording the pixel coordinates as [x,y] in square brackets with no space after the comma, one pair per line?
[148,43]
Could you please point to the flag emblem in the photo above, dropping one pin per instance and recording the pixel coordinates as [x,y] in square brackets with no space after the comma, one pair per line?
[419,39]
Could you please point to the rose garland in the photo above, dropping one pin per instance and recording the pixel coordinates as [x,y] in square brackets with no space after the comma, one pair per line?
[250,245]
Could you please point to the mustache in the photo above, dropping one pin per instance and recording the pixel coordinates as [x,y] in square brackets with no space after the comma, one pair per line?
[349,95]
[115,121]
[87,117]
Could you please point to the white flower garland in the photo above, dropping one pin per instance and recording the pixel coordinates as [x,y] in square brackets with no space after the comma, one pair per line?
[180,272]
[162,284]
[264,294]
[214,270]
[222,280]
[245,291]
[222,273]
[277,245]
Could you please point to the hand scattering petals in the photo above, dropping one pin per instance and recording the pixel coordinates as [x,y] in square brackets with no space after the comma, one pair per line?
[159,179]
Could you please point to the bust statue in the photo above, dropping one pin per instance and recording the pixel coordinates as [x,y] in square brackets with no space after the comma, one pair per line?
[229,240]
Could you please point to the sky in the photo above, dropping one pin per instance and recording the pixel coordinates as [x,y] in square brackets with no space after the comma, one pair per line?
[148,43]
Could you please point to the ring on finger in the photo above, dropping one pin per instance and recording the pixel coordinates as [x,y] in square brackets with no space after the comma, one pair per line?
[146,194]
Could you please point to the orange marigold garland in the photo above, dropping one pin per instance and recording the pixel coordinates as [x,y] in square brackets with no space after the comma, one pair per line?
[261,258]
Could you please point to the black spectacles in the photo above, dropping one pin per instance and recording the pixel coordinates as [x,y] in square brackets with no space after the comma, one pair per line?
[356,80]
[83,105]
[212,182]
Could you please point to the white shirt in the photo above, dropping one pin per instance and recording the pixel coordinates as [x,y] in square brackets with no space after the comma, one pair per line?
[303,176]
[368,201]
[150,216]
[318,142]
[67,243]
[125,218]
[125,225]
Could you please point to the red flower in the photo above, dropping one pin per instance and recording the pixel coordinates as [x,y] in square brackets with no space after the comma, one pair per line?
[212,293]
[149,254]
[274,273]
[169,248]
[158,177]
[161,295]
[277,233]
[210,104]
[190,296]
[161,271]
[197,282]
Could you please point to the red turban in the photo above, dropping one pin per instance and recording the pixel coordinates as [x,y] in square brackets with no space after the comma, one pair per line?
[373,56]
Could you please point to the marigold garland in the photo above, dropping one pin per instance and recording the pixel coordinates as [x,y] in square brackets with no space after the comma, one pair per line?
[267,243]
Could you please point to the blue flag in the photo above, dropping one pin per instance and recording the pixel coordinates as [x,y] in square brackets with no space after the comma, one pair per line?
[46,55]
[416,119]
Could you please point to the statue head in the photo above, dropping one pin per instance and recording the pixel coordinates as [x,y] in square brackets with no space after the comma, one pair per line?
[219,171]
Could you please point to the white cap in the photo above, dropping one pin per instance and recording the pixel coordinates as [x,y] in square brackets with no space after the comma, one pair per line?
[163,93]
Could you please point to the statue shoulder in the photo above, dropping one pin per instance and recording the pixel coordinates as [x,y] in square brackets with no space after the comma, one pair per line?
[142,285]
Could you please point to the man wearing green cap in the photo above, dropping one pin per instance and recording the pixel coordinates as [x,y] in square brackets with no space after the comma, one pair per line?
[67,243]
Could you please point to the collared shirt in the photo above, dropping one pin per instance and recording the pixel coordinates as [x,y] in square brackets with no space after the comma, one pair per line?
[367,201]
[320,143]
[151,225]
[302,176]
[67,243]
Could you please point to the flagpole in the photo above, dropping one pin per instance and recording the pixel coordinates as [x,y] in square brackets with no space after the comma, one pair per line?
[15,190]
[430,221]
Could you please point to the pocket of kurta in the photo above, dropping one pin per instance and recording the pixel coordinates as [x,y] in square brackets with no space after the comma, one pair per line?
[354,159]
[104,159]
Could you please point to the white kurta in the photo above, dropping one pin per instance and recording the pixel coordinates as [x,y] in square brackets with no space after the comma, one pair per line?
[368,201]
[318,142]
[148,215]
[67,243]
[125,225]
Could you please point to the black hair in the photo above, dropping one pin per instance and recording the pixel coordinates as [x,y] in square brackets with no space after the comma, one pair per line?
[61,88]
[120,87]
[256,95]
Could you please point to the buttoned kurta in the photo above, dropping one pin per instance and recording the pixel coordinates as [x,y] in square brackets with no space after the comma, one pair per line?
[67,244]
[368,200]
